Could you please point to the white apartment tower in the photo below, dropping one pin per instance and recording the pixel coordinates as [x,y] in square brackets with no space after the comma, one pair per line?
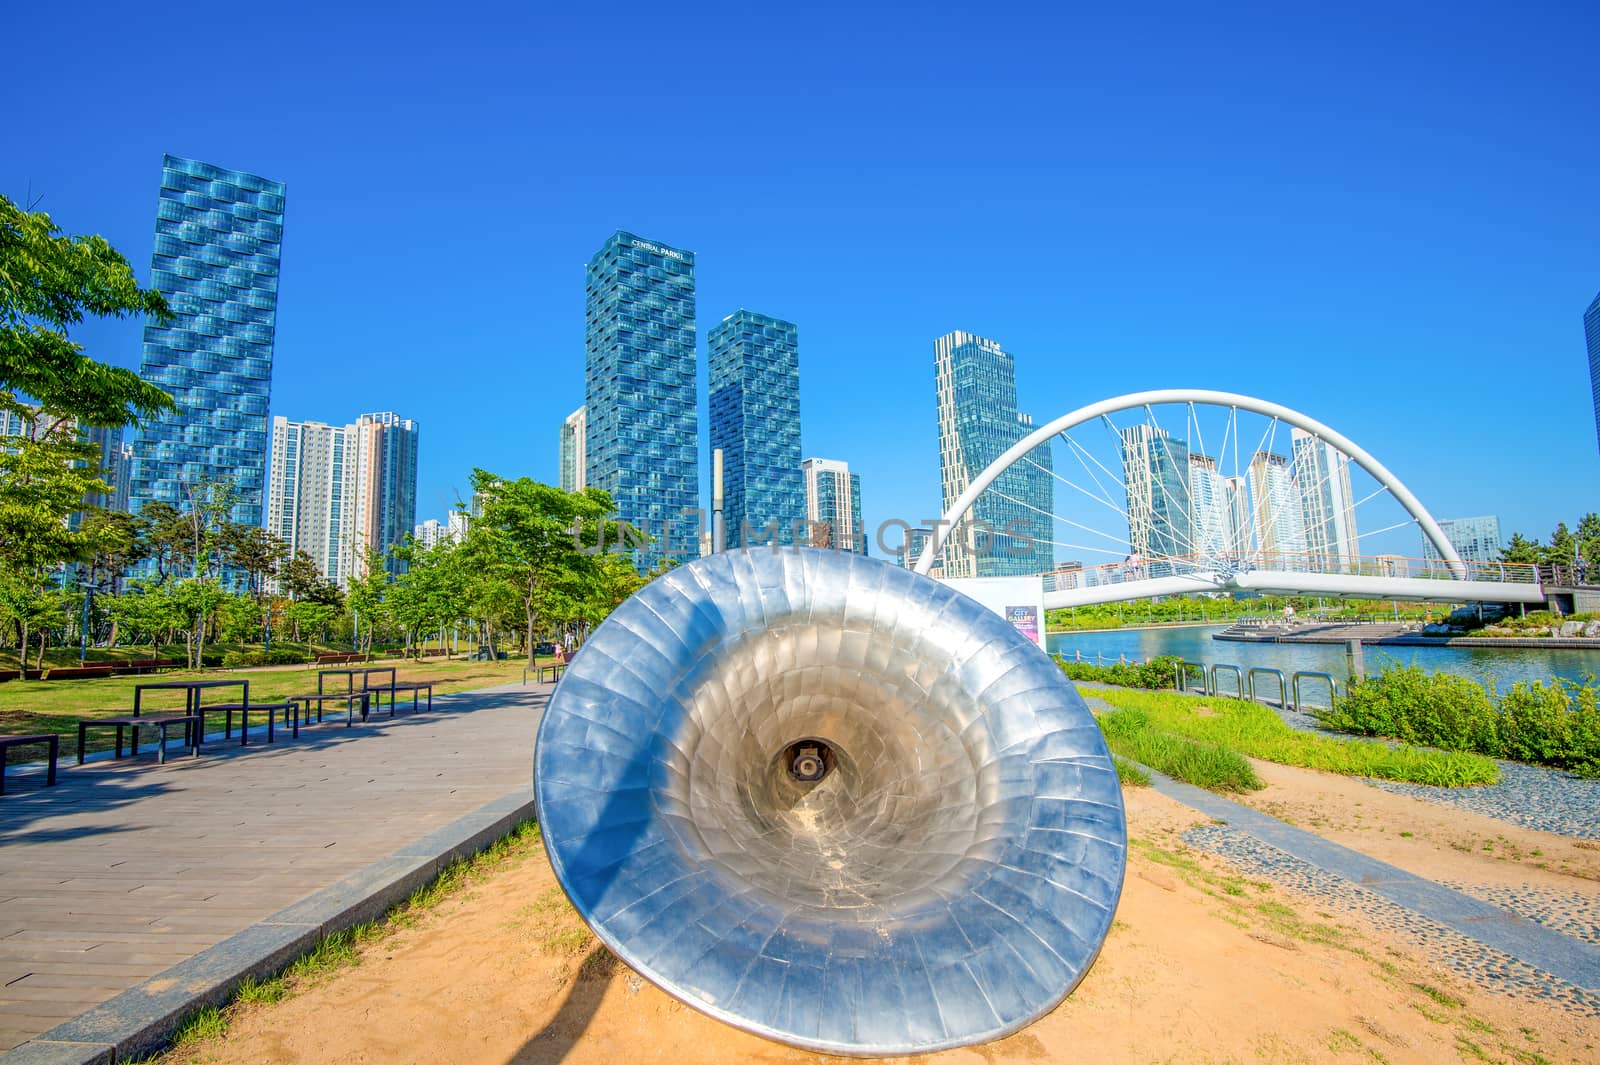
[1279,523]
[1322,473]
[574,452]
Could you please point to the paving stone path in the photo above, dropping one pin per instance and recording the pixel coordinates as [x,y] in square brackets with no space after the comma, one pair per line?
[125,869]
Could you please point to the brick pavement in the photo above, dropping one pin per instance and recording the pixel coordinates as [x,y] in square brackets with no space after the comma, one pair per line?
[125,869]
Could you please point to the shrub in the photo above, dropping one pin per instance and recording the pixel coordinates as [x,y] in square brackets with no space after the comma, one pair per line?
[1159,672]
[1130,734]
[1414,706]
[273,656]
[1556,725]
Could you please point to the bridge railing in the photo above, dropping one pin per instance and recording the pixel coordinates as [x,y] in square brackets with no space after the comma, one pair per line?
[1137,568]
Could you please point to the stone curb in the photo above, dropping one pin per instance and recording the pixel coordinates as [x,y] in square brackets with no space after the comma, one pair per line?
[141,1019]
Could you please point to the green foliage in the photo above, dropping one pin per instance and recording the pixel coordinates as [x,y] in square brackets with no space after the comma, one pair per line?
[272,656]
[1556,724]
[1130,774]
[1159,672]
[1258,732]
[49,282]
[1131,734]
[1414,706]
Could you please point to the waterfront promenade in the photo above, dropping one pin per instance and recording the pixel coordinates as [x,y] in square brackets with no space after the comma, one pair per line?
[125,869]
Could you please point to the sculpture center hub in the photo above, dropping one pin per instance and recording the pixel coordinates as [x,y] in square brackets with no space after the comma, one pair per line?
[808,761]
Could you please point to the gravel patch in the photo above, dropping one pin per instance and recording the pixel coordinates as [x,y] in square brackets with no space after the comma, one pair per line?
[1566,912]
[1531,796]
[1484,966]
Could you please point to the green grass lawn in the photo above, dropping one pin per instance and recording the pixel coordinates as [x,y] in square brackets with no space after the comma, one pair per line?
[1202,740]
[56,706]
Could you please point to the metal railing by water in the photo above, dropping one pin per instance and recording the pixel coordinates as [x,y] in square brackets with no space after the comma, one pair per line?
[1299,675]
[1183,676]
[1267,671]
[1238,680]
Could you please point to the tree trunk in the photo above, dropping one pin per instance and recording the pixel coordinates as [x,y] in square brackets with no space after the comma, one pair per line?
[22,649]
[43,633]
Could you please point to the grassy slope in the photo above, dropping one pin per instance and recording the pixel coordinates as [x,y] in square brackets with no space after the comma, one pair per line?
[1258,732]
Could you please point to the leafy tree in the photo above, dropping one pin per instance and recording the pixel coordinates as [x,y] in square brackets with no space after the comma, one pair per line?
[525,535]
[1521,549]
[164,539]
[48,283]
[365,598]
[115,541]
[1563,549]
[255,552]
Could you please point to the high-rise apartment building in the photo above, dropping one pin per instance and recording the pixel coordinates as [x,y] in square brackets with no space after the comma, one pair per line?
[1279,520]
[110,454]
[219,234]
[385,505]
[1211,533]
[574,457]
[1475,539]
[640,391]
[311,481]
[833,506]
[1591,334]
[1155,472]
[1008,532]
[1244,540]
[430,534]
[754,370]
[335,490]
[456,523]
[1327,505]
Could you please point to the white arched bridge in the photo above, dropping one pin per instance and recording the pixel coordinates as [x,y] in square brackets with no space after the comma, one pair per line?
[1171,516]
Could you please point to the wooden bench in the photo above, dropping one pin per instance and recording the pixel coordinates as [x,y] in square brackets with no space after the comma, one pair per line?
[191,732]
[339,658]
[79,672]
[8,742]
[291,718]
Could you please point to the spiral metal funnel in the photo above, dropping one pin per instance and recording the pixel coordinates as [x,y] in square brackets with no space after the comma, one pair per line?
[832,802]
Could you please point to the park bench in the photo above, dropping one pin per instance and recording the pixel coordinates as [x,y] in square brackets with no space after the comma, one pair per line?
[79,672]
[415,687]
[339,658]
[13,674]
[149,665]
[190,723]
[49,738]
[289,708]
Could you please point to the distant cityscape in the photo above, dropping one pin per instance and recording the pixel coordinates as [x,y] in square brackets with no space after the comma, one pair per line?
[338,491]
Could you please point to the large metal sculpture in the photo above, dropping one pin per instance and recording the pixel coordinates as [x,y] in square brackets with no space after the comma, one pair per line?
[832,802]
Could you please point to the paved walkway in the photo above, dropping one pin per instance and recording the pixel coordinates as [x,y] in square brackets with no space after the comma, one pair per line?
[123,870]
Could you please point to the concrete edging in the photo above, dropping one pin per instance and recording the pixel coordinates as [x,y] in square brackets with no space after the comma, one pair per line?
[141,1019]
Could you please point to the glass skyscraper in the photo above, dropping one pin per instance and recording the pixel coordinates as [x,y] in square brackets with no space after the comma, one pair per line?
[640,392]
[754,363]
[1155,472]
[1591,333]
[1327,503]
[1010,526]
[1475,539]
[1279,517]
[219,234]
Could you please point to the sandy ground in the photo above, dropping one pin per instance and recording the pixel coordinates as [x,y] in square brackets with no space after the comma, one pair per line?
[1202,965]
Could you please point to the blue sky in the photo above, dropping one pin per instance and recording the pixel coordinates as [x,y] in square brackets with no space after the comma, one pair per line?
[1383,215]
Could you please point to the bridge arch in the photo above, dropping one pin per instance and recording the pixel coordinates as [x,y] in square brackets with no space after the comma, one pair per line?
[1136,400]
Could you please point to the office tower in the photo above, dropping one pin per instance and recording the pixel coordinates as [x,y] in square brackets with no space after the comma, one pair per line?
[1279,525]
[218,238]
[430,534]
[1327,505]
[640,392]
[107,443]
[1155,472]
[119,494]
[1008,532]
[833,506]
[386,481]
[754,370]
[334,490]
[1241,543]
[1591,334]
[916,543]
[310,485]
[573,456]
[1475,539]
[1211,520]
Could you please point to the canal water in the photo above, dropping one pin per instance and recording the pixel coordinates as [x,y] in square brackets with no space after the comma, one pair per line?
[1502,668]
